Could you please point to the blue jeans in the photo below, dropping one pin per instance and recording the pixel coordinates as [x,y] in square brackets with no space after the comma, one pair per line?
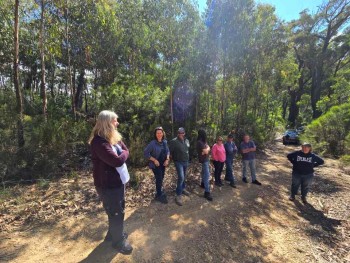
[229,171]
[181,168]
[159,176]
[251,164]
[114,205]
[205,176]
[304,180]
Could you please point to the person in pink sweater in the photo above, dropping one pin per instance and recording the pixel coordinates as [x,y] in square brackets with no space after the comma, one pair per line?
[219,157]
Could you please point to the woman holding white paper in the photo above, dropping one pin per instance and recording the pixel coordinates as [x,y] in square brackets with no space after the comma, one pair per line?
[109,155]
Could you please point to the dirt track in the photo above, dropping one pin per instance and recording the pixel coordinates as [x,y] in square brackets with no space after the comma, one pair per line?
[248,224]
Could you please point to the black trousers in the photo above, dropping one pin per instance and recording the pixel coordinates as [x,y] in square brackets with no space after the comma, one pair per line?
[114,204]
[159,175]
[218,167]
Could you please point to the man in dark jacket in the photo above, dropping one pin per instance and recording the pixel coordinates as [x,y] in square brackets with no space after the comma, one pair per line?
[303,162]
[179,152]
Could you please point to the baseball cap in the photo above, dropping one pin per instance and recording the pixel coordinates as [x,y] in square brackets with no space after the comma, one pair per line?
[306,144]
[181,130]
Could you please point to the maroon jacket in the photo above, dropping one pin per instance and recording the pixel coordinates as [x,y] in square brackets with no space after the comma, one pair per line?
[104,161]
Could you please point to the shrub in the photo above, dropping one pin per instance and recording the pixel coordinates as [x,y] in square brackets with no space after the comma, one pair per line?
[329,133]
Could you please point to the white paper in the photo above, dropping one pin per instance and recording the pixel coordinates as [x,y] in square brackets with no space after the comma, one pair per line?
[122,170]
[124,173]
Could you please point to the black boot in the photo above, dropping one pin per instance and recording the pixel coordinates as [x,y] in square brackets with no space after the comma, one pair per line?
[233,185]
[208,196]
[123,247]
[108,236]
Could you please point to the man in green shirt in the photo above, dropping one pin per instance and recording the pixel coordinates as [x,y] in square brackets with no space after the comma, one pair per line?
[179,147]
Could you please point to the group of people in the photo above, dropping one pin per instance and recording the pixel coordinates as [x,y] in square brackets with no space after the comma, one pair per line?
[109,155]
[159,152]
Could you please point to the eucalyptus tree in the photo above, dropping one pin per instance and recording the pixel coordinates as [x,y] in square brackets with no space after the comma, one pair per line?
[313,46]
[6,40]
[246,43]
[175,24]
[20,132]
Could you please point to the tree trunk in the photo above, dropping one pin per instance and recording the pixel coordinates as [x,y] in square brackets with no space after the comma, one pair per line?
[20,132]
[316,85]
[69,70]
[42,58]
[293,107]
[52,80]
[79,91]
[86,103]
[284,107]
[171,102]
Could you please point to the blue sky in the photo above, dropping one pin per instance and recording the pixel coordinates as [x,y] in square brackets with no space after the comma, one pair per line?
[285,9]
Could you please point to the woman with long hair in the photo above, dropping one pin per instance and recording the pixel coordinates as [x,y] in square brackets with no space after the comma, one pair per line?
[157,152]
[203,157]
[110,173]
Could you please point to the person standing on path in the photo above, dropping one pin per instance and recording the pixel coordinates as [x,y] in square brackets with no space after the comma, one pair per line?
[203,150]
[248,149]
[157,152]
[109,155]
[303,162]
[230,150]
[179,153]
[219,157]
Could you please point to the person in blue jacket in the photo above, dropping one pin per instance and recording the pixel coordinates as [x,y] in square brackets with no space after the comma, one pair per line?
[157,152]
[303,162]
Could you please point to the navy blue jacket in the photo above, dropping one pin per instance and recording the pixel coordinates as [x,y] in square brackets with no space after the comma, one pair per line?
[304,163]
[154,149]
[230,149]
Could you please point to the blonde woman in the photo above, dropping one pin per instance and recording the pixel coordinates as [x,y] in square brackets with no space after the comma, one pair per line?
[109,155]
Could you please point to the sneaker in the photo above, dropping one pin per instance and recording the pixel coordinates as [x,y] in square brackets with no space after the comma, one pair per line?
[233,185]
[163,199]
[178,200]
[124,247]
[256,182]
[244,179]
[291,198]
[185,192]
[303,199]
[202,185]
[208,196]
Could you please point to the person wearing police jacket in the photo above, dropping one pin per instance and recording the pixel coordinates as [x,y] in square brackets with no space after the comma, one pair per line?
[303,162]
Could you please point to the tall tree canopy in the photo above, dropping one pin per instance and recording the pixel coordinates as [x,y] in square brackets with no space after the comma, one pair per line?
[237,66]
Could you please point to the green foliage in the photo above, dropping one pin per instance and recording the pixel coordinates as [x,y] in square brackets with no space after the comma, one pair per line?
[345,159]
[139,57]
[141,108]
[305,113]
[330,133]
[52,146]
